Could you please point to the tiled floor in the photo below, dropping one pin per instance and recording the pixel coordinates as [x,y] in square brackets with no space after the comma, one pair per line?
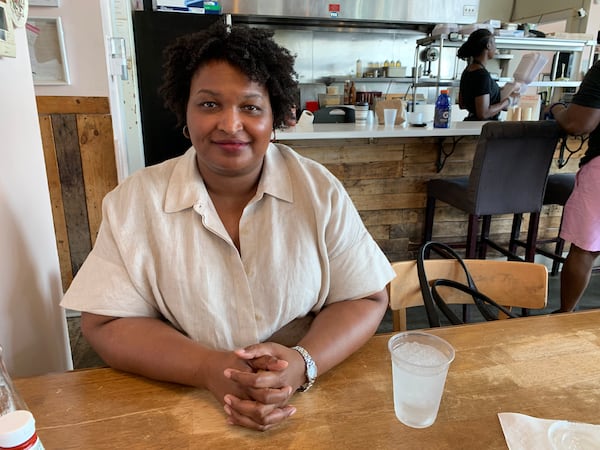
[84,356]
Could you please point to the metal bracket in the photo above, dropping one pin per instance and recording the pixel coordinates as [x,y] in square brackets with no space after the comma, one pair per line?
[118,58]
[562,161]
[442,155]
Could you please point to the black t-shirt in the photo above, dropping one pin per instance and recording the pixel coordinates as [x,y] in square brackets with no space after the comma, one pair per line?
[474,84]
[588,95]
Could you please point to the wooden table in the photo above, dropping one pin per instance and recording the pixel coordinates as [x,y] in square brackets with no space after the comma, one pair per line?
[545,366]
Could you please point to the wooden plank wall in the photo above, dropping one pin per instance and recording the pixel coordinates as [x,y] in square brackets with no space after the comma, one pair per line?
[79,151]
[386,180]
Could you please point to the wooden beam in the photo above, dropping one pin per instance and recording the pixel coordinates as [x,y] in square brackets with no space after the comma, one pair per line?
[98,164]
[72,105]
[56,200]
[71,179]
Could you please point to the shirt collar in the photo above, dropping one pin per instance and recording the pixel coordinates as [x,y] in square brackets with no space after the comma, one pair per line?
[186,187]
[275,179]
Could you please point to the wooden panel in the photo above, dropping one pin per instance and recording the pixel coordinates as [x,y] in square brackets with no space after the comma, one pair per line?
[56,200]
[382,217]
[98,166]
[78,146]
[71,180]
[72,105]
[384,186]
[389,201]
[386,179]
[366,170]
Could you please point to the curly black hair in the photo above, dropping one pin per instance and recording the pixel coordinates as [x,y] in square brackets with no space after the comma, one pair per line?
[252,50]
[476,44]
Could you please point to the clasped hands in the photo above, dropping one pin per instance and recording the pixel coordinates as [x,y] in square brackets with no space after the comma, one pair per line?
[257,383]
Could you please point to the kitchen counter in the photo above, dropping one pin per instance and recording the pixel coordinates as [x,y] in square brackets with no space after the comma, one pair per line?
[385,171]
[351,130]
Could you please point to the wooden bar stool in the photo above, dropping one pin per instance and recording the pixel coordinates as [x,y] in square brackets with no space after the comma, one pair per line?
[509,173]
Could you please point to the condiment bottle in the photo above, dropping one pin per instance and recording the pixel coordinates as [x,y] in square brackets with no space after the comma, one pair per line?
[359,70]
[17,425]
[347,92]
[17,432]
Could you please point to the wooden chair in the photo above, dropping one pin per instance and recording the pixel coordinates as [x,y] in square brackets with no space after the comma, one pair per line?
[510,283]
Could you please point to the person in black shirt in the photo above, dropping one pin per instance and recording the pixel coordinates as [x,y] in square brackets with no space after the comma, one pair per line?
[479,94]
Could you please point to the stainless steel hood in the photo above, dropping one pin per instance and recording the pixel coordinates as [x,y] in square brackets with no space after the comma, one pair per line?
[391,12]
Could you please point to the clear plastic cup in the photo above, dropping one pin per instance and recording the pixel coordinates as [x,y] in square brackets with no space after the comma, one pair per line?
[420,363]
[389,116]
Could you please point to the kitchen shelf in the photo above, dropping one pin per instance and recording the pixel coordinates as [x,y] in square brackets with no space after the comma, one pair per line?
[374,80]
[506,45]
[501,82]
[434,82]
[561,84]
[525,43]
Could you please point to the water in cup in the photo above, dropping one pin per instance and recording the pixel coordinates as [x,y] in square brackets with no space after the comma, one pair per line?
[420,363]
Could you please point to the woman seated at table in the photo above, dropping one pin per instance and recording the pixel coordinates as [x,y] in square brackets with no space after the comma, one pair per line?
[479,93]
[207,267]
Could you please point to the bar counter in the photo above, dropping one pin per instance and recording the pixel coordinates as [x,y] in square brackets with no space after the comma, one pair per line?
[385,170]
[351,130]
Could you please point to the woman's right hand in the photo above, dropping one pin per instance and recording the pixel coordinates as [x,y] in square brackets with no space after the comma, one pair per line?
[513,99]
[221,385]
[240,399]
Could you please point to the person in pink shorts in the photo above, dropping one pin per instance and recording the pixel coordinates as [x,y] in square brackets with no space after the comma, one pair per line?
[581,217]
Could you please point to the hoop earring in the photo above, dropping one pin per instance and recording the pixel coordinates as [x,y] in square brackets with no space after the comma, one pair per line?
[186,132]
[273,135]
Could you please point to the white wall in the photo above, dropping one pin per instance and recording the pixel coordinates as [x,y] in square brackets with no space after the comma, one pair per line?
[495,9]
[32,325]
[85,38]
[555,10]
[84,43]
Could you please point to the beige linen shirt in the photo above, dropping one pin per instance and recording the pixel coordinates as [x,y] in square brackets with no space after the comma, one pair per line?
[162,251]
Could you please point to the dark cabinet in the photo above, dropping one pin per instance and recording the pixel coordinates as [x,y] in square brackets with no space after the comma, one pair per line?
[153,31]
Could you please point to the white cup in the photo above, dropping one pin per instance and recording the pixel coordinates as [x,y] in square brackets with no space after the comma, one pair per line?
[361,113]
[420,363]
[415,118]
[389,117]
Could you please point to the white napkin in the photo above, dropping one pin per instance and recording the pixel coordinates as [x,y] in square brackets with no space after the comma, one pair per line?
[525,433]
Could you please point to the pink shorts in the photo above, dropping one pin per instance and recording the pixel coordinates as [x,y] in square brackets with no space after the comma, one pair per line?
[581,217]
